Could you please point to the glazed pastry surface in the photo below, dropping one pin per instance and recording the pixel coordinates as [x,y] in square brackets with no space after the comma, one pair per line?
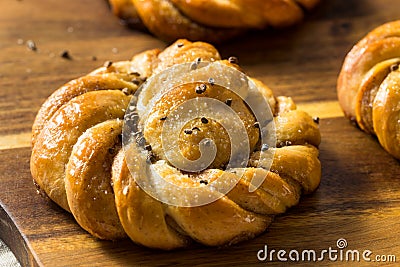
[78,156]
[213,20]
[368,85]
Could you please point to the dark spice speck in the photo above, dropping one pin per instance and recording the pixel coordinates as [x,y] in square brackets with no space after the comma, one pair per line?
[108,64]
[134,73]
[201,88]
[150,158]
[136,81]
[31,45]
[394,67]
[125,91]
[65,54]
[195,63]
[233,60]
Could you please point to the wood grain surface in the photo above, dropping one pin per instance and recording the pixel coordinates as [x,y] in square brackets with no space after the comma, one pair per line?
[359,196]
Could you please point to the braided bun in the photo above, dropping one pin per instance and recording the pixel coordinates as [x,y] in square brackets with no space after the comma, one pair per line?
[368,85]
[213,20]
[133,176]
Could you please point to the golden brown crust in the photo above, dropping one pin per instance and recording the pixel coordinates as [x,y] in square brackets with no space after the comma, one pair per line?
[88,180]
[267,93]
[184,51]
[213,20]
[284,104]
[54,144]
[125,10]
[143,217]
[78,161]
[165,21]
[369,87]
[74,88]
[379,45]
[199,128]
[236,13]
[296,127]
[211,224]
[362,79]
[298,163]
[274,196]
[386,114]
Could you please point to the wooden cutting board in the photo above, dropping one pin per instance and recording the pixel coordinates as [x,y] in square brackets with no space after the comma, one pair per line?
[359,196]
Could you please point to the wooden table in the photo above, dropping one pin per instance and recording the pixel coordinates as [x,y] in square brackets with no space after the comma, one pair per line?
[359,196]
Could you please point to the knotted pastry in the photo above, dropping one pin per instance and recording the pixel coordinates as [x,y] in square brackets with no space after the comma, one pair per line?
[213,20]
[369,85]
[84,160]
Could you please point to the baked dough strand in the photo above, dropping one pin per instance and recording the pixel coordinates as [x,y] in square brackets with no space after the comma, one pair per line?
[79,159]
[368,85]
[209,20]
